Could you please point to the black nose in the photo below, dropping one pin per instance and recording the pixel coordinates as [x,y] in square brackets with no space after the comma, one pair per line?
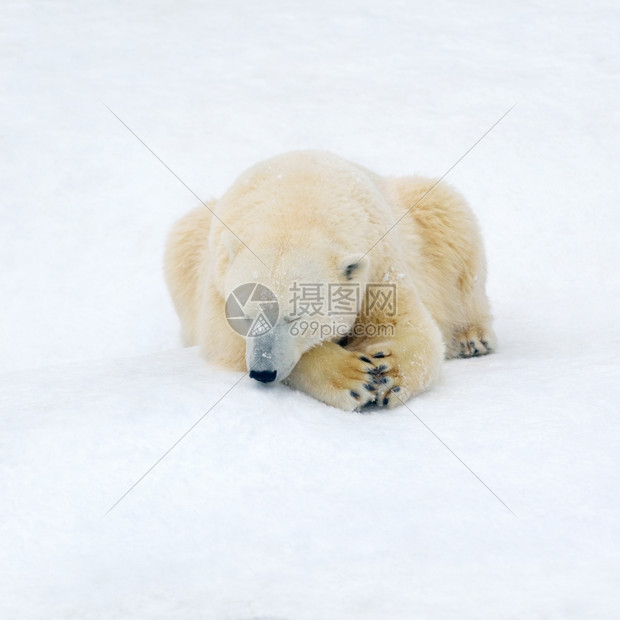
[264,376]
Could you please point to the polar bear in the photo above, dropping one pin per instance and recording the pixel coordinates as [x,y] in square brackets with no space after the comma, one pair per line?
[311,218]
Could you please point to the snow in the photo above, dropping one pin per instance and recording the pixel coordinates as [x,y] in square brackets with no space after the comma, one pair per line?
[275,506]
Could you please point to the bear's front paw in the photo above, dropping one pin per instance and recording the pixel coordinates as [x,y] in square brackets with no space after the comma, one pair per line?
[350,379]
[386,374]
[338,377]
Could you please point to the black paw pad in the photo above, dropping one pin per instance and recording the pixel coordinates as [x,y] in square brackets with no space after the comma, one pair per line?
[378,355]
[354,394]
[365,359]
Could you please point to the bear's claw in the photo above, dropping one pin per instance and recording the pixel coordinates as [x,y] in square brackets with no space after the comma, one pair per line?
[472,342]
[385,377]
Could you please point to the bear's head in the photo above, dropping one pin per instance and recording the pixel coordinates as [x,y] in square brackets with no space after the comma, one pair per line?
[309,219]
[307,291]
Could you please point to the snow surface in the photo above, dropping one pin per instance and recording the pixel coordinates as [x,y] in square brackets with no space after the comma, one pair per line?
[275,506]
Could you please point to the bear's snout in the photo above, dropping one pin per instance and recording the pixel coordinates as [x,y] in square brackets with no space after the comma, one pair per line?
[271,357]
[264,376]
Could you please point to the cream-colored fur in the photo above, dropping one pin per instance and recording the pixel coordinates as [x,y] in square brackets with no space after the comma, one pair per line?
[306,216]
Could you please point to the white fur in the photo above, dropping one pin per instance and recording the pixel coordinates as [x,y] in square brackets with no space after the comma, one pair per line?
[307,215]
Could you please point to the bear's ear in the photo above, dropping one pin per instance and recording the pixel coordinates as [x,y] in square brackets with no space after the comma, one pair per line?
[354,266]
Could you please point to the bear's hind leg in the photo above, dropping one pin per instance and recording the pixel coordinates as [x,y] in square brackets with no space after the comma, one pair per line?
[472,334]
[472,341]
